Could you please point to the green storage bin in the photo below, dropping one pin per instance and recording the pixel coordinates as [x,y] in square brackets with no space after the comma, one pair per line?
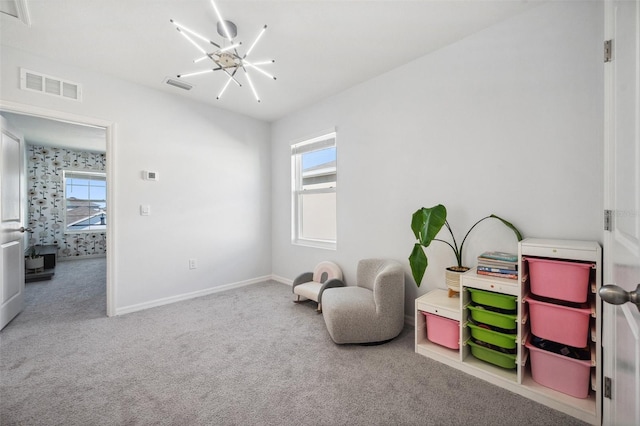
[492,357]
[497,300]
[502,340]
[506,321]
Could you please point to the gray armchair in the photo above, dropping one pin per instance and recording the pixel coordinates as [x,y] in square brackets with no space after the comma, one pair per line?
[372,310]
[311,285]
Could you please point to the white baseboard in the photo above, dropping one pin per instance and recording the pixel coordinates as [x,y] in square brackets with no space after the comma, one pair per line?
[186,296]
[87,256]
[410,320]
[282,280]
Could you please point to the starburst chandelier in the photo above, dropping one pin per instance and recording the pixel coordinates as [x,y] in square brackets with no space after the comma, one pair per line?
[227,60]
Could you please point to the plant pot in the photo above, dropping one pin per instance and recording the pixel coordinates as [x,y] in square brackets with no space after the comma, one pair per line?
[452,277]
[34,262]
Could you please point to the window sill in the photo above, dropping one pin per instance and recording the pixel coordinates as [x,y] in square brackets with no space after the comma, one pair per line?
[93,231]
[326,245]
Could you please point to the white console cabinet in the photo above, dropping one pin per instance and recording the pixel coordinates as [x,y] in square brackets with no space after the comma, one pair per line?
[519,379]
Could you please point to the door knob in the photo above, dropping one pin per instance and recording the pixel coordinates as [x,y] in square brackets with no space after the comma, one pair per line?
[617,296]
[23,229]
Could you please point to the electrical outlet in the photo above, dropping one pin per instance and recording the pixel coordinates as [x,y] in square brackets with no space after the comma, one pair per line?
[193,263]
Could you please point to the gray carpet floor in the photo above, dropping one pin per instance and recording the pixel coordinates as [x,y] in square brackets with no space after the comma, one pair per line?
[247,356]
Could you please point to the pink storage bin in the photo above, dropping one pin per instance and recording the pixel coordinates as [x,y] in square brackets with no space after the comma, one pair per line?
[558,372]
[559,323]
[442,331]
[559,280]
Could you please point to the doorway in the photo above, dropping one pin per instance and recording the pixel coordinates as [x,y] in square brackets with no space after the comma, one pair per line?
[22,115]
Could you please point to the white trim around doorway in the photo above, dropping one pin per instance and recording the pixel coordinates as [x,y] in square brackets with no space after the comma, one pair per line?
[110,128]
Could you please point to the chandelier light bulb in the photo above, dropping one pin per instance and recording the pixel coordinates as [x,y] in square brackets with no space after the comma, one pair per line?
[253,89]
[224,88]
[194,73]
[260,70]
[192,41]
[190,31]
[231,47]
[224,24]
[256,41]
[261,62]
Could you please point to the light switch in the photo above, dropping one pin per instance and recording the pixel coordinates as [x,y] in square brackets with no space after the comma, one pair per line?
[145,210]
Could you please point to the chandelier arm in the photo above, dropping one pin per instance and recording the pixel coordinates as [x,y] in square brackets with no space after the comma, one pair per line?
[191,74]
[224,24]
[190,40]
[255,41]
[224,88]
[253,89]
[260,34]
[260,70]
[182,28]
[270,61]
[207,56]
[233,46]
[231,76]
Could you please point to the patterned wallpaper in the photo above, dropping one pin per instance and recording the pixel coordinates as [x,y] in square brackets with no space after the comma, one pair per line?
[45,190]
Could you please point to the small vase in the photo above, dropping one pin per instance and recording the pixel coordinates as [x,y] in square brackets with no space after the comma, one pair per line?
[452,278]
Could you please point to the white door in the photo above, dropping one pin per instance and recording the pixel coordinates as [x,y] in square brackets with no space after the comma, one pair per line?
[11,246]
[621,322]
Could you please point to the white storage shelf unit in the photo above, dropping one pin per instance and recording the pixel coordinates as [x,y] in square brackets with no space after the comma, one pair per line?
[496,285]
[519,379]
[436,302]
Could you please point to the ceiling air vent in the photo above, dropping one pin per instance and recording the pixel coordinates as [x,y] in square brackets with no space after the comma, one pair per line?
[38,82]
[178,83]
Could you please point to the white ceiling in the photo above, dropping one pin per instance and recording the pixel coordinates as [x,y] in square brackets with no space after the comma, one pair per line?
[320,47]
[61,134]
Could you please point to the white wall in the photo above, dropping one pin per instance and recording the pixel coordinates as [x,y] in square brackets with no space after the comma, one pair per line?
[507,121]
[212,201]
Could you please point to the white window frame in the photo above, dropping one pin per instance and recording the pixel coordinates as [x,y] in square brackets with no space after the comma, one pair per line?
[325,140]
[64,186]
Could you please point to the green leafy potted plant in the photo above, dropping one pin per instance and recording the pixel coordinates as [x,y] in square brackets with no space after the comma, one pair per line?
[426,223]
[33,260]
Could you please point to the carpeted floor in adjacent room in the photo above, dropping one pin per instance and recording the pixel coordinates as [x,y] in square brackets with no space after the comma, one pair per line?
[247,356]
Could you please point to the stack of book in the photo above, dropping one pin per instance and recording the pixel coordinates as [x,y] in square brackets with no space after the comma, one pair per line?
[498,264]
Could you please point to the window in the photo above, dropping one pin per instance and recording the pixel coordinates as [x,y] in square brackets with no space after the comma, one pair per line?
[85,195]
[314,176]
